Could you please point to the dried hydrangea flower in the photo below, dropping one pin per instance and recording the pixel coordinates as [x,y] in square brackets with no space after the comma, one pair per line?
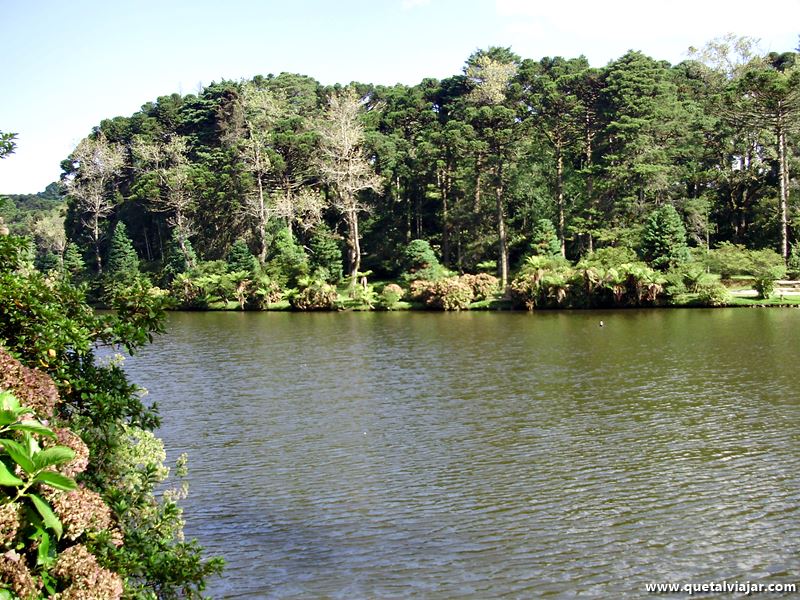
[88,580]
[65,437]
[14,573]
[33,388]
[80,510]
[9,523]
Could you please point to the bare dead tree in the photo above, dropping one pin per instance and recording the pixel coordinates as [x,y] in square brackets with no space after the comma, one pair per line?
[96,164]
[344,166]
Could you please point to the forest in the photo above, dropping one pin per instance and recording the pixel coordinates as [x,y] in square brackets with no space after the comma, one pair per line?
[539,177]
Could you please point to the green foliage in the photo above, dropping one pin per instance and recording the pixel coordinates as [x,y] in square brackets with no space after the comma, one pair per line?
[391,294]
[418,255]
[325,254]
[664,239]
[47,324]
[729,259]
[123,262]
[420,263]
[362,296]
[765,266]
[176,260]
[609,256]
[793,264]
[288,262]
[240,258]
[544,241]
[713,293]
[73,265]
[553,283]
[313,294]
[7,143]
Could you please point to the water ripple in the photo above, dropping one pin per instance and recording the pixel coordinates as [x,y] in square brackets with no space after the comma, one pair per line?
[485,455]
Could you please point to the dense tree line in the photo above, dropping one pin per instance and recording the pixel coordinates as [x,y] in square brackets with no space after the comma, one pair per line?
[474,164]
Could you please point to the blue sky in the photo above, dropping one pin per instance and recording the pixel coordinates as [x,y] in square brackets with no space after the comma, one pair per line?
[68,65]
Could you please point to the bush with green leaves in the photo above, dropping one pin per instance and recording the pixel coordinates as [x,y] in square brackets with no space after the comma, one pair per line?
[45,517]
[608,257]
[46,323]
[541,281]
[547,282]
[729,259]
[362,296]
[419,262]
[713,293]
[325,250]
[288,261]
[766,266]
[313,294]
[391,294]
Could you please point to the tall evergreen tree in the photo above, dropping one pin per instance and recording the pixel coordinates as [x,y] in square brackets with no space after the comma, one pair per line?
[123,262]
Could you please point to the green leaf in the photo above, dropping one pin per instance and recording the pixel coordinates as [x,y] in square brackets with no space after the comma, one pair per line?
[53,456]
[49,517]
[7,417]
[5,595]
[19,454]
[7,477]
[8,401]
[32,426]
[43,555]
[56,480]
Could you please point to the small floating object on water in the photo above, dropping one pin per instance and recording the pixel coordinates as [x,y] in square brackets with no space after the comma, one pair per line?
[602,324]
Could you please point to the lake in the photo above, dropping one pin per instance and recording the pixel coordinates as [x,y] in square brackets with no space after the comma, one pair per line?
[485,454]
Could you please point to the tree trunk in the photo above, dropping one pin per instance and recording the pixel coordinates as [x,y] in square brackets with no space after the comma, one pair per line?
[443,180]
[96,240]
[502,236]
[560,199]
[354,246]
[262,224]
[784,190]
[589,183]
[476,207]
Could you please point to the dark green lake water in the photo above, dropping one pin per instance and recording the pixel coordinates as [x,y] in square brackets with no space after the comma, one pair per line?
[485,455]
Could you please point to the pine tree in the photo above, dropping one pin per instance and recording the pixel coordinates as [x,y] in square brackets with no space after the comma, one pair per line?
[326,253]
[240,258]
[73,265]
[123,262]
[664,239]
[545,240]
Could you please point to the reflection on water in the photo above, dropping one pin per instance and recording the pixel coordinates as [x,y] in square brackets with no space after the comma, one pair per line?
[482,455]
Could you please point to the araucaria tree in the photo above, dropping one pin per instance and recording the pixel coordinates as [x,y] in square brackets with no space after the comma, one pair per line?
[94,165]
[493,117]
[166,170]
[344,166]
[771,90]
